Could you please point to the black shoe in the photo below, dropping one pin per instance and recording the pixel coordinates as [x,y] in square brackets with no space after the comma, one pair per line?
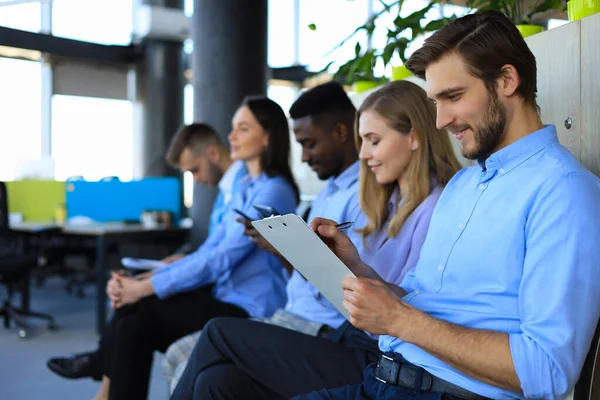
[75,367]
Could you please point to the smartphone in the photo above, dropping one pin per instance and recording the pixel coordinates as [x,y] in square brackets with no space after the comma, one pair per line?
[243,215]
[265,211]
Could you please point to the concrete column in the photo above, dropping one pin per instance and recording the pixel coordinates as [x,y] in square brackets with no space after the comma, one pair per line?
[229,62]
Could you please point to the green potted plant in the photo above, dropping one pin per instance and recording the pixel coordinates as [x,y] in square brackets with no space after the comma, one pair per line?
[358,71]
[517,12]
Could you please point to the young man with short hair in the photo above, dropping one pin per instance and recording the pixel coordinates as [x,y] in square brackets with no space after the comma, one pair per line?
[198,149]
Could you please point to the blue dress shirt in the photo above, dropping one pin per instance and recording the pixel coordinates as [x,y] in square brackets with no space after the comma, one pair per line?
[513,247]
[227,186]
[241,273]
[338,201]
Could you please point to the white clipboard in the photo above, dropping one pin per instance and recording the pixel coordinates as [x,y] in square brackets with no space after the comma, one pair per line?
[307,253]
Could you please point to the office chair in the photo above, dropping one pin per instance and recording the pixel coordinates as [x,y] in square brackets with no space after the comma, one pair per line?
[16,263]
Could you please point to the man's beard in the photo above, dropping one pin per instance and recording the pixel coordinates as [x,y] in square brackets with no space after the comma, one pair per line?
[489,132]
[215,172]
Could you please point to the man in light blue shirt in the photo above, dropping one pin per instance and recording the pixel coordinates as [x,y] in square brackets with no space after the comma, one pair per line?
[504,300]
[195,148]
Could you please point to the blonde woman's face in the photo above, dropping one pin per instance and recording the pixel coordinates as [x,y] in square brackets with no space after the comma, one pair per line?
[386,151]
[247,138]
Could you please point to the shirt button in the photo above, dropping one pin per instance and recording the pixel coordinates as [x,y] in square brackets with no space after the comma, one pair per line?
[328,198]
[502,171]
[440,267]
[461,226]
[481,186]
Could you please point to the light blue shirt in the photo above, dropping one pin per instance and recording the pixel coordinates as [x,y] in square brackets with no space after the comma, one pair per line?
[338,201]
[241,273]
[513,247]
[227,185]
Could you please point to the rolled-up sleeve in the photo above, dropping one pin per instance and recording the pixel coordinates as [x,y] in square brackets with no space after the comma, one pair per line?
[559,294]
[226,248]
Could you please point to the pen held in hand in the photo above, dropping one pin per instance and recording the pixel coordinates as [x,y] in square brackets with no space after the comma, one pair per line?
[344,226]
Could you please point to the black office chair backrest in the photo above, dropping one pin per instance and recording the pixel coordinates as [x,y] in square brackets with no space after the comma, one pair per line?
[3,207]
[8,245]
[588,386]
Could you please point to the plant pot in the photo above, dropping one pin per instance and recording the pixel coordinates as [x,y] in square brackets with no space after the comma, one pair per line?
[399,73]
[528,30]
[363,86]
[578,9]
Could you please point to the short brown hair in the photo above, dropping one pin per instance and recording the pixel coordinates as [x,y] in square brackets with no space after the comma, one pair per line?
[486,42]
[194,137]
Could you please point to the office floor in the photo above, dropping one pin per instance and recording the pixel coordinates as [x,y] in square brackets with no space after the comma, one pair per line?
[23,371]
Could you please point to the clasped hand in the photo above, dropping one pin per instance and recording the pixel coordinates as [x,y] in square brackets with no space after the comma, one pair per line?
[122,290]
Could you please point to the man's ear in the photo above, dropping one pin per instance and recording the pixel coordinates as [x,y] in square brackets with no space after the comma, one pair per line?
[341,133]
[213,154]
[509,80]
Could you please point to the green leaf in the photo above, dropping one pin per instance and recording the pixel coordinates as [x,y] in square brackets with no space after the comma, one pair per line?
[388,51]
[312,27]
[545,5]
[438,24]
[401,46]
[357,49]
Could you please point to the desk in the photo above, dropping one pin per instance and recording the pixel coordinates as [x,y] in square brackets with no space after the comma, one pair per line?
[105,235]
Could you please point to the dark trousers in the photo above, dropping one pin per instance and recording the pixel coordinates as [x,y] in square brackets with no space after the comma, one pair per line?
[244,359]
[137,330]
[372,389]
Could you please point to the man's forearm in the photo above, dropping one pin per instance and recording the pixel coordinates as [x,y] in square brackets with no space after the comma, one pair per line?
[483,354]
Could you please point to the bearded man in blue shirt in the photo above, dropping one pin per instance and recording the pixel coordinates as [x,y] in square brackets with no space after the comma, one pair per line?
[504,300]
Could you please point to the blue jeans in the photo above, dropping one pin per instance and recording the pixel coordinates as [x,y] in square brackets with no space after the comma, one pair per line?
[372,389]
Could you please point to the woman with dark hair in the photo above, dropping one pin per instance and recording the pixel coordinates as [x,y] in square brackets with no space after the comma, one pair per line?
[275,160]
[227,276]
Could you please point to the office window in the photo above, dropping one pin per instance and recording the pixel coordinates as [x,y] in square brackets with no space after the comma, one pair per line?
[280,39]
[92,137]
[284,95]
[188,7]
[105,22]
[334,20]
[188,118]
[25,17]
[21,105]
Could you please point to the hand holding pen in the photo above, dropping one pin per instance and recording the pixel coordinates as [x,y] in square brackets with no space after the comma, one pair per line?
[333,235]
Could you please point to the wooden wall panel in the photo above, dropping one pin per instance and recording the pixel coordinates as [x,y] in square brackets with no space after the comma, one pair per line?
[590,93]
[558,62]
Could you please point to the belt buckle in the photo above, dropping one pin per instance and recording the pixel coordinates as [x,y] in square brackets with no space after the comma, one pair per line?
[378,366]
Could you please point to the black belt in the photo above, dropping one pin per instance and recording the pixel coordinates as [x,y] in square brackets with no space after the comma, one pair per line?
[392,371]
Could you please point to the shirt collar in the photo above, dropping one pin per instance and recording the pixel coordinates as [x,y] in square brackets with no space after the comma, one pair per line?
[347,178]
[516,153]
[228,179]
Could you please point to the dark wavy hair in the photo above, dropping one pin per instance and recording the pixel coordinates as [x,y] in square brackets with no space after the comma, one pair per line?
[275,160]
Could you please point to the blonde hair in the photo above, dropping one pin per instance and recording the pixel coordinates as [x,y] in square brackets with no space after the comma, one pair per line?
[404,107]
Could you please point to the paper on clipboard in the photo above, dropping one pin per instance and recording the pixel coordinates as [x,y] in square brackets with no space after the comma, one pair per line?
[305,250]
[141,263]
